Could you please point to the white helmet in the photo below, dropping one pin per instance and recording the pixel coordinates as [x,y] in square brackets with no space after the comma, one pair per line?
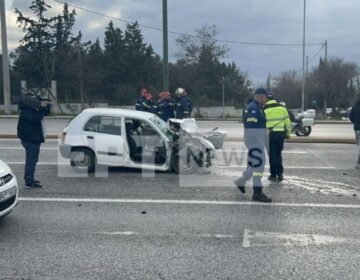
[180,91]
[283,104]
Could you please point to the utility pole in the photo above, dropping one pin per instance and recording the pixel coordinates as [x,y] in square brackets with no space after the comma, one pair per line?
[303,69]
[307,79]
[81,77]
[223,96]
[5,60]
[165,47]
[326,51]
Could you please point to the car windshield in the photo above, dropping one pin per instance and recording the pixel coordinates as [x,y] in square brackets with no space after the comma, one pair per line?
[163,126]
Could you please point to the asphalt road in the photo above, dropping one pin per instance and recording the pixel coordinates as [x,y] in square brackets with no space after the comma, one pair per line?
[125,224]
[233,128]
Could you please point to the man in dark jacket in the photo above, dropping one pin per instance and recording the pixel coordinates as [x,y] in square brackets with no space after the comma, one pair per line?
[148,105]
[182,106]
[141,99]
[165,106]
[255,141]
[355,119]
[30,130]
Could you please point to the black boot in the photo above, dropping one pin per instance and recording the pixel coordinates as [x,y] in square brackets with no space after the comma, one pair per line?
[280,178]
[240,183]
[261,197]
[273,179]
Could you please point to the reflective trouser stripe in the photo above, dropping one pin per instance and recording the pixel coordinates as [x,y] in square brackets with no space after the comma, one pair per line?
[252,120]
[258,174]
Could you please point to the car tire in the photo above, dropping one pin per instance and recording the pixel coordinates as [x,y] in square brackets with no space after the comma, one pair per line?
[183,166]
[83,160]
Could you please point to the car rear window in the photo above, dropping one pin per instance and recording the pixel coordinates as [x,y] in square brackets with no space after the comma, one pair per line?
[104,125]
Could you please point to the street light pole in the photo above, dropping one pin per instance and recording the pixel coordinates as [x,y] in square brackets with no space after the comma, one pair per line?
[165,47]
[5,59]
[303,69]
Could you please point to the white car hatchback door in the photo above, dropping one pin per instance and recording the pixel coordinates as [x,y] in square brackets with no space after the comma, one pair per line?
[105,136]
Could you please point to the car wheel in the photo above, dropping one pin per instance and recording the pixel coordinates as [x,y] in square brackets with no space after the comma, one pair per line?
[83,160]
[184,164]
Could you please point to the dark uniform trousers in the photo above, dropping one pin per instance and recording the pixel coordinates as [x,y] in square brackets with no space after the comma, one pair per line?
[32,156]
[276,145]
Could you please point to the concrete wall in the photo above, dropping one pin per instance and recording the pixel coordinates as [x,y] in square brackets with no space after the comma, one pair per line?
[14,108]
[68,108]
[75,108]
[217,112]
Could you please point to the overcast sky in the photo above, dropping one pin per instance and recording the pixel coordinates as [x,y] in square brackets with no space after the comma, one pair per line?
[273,21]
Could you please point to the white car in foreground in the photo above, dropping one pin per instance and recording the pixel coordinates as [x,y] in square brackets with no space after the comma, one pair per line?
[8,189]
[128,138]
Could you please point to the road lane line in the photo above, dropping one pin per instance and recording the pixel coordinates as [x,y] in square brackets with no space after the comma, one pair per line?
[215,165]
[287,167]
[246,239]
[199,235]
[280,239]
[21,148]
[39,163]
[245,151]
[121,233]
[189,202]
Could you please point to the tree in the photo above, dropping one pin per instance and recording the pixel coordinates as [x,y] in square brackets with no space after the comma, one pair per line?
[199,69]
[193,47]
[332,83]
[35,51]
[94,71]
[287,88]
[48,50]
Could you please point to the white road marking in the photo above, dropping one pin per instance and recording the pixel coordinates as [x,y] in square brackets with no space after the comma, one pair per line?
[246,239]
[287,167]
[121,233]
[271,239]
[188,202]
[39,163]
[199,235]
[322,186]
[245,151]
[21,148]
[215,165]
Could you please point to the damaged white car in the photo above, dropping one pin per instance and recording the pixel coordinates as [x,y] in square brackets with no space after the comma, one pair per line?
[128,138]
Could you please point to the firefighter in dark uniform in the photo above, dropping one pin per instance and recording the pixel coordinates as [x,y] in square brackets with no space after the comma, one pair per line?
[189,104]
[255,140]
[148,105]
[182,107]
[141,99]
[165,106]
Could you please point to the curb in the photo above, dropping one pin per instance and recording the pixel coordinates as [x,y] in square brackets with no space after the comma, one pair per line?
[314,140]
[309,140]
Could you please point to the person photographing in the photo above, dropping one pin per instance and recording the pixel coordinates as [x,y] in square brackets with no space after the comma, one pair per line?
[30,131]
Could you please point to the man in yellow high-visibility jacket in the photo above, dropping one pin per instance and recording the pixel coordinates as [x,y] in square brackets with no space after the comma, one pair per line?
[279,126]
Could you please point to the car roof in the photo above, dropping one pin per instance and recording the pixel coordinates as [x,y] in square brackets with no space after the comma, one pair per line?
[121,112]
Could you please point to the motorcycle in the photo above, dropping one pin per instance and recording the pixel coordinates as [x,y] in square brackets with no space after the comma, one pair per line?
[302,127]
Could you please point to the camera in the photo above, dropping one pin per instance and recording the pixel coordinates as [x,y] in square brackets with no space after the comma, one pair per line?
[31,100]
